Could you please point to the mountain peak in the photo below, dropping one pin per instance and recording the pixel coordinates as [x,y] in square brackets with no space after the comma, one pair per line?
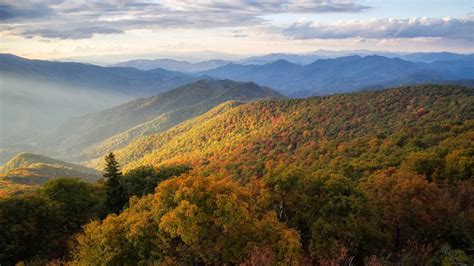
[281,62]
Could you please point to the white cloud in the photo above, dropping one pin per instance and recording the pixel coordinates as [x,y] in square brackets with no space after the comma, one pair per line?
[82,19]
[446,28]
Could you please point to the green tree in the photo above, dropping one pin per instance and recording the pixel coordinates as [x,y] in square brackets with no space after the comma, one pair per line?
[78,202]
[422,163]
[143,180]
[115,196]
[28,229]
[328,210]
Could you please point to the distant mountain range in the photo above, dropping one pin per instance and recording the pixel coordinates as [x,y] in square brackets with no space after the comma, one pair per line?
[432,57]
[300,59]
[37,95]
[115,127]
[127,81]
[344,74]
[174,65]
[326,72]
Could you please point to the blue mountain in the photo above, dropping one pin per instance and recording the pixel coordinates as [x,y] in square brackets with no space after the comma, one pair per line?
[345,74]
[129,81]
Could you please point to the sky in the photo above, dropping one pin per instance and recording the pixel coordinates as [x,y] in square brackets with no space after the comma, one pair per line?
[56,29]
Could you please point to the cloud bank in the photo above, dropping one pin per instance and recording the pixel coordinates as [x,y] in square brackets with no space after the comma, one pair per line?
[58,19]
[453,28]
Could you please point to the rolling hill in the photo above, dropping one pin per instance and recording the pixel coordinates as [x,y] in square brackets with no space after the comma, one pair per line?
[357,133]
[34,169]
[344,74]
[116,127]
[8,152]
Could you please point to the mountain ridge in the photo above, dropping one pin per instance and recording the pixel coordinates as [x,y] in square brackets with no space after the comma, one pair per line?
[126,80]
[175,105]
[344,74]
[295,131]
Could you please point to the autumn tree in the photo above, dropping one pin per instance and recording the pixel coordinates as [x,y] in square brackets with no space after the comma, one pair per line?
[411,209]
[460,165]
[190,220]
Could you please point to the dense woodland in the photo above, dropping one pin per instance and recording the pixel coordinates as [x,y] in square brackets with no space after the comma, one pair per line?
[375,178]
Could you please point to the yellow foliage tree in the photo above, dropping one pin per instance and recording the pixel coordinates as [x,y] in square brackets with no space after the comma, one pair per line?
[191,219]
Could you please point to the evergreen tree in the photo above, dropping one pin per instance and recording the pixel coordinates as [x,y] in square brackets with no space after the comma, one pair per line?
[115,194]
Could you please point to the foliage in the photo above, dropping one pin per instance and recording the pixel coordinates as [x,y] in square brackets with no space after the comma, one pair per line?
[447,256]
[28,228]
[413,211]
[191,219]
[39,225]
[77,202]
[352,134]
[328,210]
[385,173]
[144,179]
[382,177]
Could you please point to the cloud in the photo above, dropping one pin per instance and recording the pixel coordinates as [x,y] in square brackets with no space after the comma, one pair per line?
[271,6]
[59,19]
[9,12]
[452,28]
[76,33]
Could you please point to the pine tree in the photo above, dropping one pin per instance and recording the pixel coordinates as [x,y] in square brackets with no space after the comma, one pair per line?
[115,196]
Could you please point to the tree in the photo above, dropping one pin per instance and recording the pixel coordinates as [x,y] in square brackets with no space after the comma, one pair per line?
[40,224]
[192,219]
[422,163]
[28,228]
[460,165]
[115,196]
[143,180]
[78,202]
[410,208]
[328,210]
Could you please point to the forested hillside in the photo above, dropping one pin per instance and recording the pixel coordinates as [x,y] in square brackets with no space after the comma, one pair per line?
[372,178]
[350,132]
[378,177]
[35,169]
[114,128]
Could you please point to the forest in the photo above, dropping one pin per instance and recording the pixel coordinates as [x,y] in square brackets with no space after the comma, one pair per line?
[367,178]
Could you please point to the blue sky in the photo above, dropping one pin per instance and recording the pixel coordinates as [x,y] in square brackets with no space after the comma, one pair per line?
[396,9]
[52,29]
